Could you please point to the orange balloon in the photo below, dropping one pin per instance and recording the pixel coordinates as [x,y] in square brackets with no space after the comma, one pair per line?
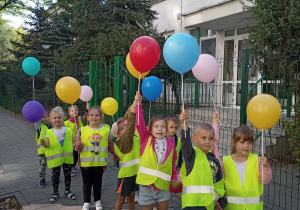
[132,70]
[263,111]
[68,89]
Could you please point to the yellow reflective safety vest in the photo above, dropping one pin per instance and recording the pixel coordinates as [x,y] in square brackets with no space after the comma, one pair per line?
[57,155]
[198,189]
[72,126]
[41,148]
[95,146]
[129,163]
[249,197]
[178,147]
[150,173]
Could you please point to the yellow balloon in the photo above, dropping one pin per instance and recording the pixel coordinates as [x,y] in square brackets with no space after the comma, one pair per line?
[68,89]
[132,70]
[263,111]
[109,106]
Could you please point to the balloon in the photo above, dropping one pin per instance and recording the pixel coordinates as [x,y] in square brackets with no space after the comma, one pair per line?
[132,70]
[31,66]
[144,53]
[33,111]
[151,88]
[86,93]
[206,68]
[263,111]
[181,52]
[109,106]
[68,89]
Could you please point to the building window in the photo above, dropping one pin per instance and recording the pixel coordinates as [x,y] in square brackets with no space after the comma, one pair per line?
[242,30]
[213,32]
[229,33]
[208,47]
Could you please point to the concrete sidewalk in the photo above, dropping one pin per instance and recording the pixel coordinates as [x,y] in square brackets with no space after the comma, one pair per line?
[19,163]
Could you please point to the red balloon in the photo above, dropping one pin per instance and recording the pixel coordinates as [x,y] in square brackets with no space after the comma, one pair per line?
[144,53]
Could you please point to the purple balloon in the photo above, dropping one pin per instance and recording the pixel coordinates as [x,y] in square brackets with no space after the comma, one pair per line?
[206,68]
[33,111]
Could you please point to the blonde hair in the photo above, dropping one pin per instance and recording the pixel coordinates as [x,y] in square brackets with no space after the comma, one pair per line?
[101,113]
[57,110]
[244,133]
[203,126]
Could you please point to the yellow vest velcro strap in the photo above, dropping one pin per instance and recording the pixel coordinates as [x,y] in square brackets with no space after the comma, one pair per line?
[59,156]
[130,163]
[153,172]
[95,148]
[245,201]
[93,159]
[197,189]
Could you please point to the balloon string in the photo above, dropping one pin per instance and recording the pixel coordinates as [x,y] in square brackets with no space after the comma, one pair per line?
[138,121]
[75,119]
[212,98]
[149,113]
[262,153]
[112,116]
[182,102]
[33,92]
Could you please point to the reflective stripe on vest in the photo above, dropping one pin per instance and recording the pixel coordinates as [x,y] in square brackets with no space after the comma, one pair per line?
[197,189]
[153,172]
[95,148]
[130,163]
[93,159]
[65,154]
[245,201]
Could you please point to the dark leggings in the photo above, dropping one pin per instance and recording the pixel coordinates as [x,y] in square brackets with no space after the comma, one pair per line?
[56,175]
[75,153]
[92,177]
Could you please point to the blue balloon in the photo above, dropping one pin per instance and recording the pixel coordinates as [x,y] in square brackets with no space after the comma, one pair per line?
[151,88]
[31,66]
[33,111]
[181,52]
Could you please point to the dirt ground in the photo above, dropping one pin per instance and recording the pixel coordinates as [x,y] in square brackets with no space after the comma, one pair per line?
[10,203]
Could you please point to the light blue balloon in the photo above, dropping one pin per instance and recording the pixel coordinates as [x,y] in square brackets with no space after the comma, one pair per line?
[151,88]
[31,66]
[181,52]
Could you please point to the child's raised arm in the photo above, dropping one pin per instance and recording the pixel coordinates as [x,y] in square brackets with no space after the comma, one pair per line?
[214,149]
[140,122]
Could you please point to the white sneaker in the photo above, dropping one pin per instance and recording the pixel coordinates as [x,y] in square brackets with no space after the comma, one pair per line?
[98,205]
[86,206]
[136,197]
[74,169]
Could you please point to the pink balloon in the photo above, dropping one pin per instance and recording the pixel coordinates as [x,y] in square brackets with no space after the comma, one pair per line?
[86,93]
[206,68]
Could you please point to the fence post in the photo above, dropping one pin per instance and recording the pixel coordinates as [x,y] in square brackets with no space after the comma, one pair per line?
[244,86]
[196,80]
[118,85]
[54,79]
[132,89]
[165,97]
[93,81]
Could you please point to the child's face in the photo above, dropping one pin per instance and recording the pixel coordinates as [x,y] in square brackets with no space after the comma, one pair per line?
[243,147]
[121,128]
[73,111]
[94,117]
[57,119]
[158,129]
[204,139]
[45,119]
[172,128]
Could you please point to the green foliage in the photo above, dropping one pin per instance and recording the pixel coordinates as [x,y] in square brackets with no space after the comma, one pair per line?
[292,130]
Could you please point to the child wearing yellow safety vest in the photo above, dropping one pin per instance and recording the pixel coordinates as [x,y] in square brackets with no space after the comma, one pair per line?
[59,152]
[74,123]
[201,174]
[127,147]
[157,170]
[41,131]
[93,144]
[245,172]
[173,124]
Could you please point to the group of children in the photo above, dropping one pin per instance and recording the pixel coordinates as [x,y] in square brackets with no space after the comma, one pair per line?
[151,158]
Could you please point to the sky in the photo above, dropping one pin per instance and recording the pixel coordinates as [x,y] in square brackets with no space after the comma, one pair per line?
[16,22]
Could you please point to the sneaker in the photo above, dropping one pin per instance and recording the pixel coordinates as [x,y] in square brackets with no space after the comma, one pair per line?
[136,197]
[54,197]
[86,206]
[70,195]
[74,169]
[98,205]
[42,183]
[72,173]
